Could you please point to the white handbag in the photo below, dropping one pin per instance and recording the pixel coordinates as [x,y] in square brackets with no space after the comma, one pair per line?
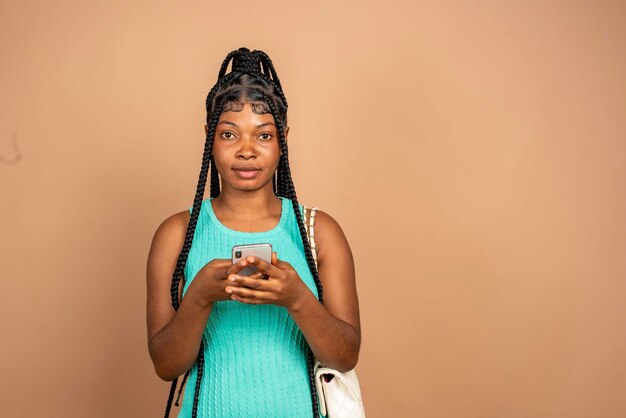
[339,393]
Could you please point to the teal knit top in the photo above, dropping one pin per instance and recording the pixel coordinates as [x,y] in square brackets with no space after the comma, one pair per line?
[255,355]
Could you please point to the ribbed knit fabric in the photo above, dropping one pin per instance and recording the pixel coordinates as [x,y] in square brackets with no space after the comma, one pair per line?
[255,355]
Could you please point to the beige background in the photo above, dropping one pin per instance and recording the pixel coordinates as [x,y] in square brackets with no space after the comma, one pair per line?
[473,154]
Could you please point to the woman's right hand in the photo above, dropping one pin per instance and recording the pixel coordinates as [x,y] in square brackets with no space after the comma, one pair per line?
[209,284]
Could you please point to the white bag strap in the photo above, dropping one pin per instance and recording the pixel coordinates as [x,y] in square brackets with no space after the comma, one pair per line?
[321,395]
[309,226]
[310,229]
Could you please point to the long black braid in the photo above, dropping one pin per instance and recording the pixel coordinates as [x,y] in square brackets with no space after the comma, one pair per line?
[252,77]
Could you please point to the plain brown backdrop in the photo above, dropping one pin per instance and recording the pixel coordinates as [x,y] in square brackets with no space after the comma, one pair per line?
[474,155]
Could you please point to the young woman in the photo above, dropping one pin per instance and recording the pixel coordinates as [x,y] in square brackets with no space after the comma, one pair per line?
[247,343]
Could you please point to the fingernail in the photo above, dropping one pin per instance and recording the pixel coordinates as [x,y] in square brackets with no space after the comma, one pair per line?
[229,290]
[232,278]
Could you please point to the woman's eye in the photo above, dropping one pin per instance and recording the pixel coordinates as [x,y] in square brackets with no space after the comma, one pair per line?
[267,136]
[227,133]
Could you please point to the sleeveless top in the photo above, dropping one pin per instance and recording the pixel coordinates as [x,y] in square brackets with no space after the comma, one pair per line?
[255,355]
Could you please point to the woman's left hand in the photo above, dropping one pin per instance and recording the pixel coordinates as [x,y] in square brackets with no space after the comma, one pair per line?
[283,287]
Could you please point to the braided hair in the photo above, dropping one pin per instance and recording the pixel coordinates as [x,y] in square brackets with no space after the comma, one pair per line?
[252,78]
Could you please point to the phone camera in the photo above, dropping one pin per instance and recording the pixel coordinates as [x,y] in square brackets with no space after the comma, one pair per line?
[238,254]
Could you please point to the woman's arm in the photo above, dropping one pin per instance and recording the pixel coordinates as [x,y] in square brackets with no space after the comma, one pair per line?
[333,330]
[173,336]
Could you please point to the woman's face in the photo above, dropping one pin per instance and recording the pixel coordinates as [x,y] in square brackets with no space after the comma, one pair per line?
[246,148]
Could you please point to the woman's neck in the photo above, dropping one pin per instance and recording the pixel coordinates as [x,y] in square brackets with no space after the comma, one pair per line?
[247,206]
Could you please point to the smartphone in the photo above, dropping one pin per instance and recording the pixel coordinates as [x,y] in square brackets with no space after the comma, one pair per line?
[262,251]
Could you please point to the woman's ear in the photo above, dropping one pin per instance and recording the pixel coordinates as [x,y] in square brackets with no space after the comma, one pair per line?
[206,130]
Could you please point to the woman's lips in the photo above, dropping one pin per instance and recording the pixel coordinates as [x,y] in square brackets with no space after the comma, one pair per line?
[247,174]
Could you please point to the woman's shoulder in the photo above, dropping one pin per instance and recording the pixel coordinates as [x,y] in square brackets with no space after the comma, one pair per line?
[327,228]
[178,219]
[324,221]
[173,228]
[331,243]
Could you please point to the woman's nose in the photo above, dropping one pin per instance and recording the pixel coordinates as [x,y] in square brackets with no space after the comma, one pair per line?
[246,147]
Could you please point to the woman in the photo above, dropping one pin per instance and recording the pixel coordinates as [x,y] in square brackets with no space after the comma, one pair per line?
[247,344]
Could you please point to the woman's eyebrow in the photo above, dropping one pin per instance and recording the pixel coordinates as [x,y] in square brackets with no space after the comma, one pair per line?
[227,122]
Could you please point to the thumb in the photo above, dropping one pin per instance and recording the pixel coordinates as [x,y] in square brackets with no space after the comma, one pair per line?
[275,258]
